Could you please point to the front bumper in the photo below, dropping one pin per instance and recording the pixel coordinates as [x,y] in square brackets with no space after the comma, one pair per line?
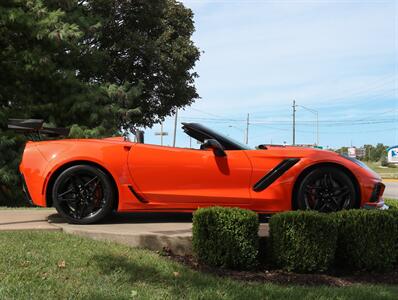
[376,201]
[378,205]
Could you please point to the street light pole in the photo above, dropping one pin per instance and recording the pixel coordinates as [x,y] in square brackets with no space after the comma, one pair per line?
[175,128]
[294,122]
[161,133]
[247,130]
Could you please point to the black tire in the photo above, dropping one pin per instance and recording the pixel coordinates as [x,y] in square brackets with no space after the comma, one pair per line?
[326,189]
[83,194]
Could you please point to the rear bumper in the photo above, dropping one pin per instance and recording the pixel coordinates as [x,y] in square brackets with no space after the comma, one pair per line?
[26,191]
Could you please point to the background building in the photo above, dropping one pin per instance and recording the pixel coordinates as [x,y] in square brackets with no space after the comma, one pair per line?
[392,155]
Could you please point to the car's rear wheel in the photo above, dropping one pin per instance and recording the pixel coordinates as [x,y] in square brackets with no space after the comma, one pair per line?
[83,194]
[326,189]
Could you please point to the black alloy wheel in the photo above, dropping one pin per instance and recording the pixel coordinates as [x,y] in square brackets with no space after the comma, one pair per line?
[83,194]
[326,189]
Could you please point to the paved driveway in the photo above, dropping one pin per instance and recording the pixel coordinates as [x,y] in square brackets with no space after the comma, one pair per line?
[391,189]
[26,219]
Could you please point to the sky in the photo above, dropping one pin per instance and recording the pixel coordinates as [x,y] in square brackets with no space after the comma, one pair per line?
[339,58]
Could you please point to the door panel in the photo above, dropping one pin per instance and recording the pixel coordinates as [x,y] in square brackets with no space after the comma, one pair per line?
[167,175]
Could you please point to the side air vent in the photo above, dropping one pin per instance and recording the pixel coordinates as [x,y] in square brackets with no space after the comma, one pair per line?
[139,197]
[274,174]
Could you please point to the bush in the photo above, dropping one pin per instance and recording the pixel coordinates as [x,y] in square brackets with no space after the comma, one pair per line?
[392,203]
[394,212]
[367,239]
[303,241]
[226,237]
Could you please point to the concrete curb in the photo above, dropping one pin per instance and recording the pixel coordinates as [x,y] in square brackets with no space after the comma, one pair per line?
[148,234]
[180,245]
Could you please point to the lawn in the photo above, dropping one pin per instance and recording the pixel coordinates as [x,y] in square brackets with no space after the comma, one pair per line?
[54,265]
[385,172]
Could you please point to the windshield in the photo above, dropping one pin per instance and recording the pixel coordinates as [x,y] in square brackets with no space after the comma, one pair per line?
[243,146]
[202,133]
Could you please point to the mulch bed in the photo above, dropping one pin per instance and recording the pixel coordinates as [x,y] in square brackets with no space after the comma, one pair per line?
[269,275]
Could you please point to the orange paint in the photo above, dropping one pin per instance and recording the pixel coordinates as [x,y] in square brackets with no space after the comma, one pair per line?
[179,179]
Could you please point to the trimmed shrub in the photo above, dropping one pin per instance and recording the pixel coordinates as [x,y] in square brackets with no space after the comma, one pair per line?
[367,239]
[303,241]
[392,203]
[394,212]
[226,237]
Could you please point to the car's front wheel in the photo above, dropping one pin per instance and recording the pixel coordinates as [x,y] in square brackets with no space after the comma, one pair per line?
[83,194]
[326,189]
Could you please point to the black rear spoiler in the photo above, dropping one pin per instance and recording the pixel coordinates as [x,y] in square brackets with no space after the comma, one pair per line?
[34,128]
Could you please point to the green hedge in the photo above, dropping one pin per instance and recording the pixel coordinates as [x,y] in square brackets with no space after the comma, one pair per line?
[392,203]
[226,237]
[394,212]
[367,239]
[303,241]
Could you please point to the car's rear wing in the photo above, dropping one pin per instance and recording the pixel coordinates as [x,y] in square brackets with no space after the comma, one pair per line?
[33,128]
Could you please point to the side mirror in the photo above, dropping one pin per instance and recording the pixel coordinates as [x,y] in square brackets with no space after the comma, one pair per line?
[217,148]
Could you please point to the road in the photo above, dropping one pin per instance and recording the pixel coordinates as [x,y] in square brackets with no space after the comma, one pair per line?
[391,190]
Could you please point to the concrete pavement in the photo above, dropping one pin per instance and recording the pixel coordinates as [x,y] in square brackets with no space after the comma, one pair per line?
[391,190]
[26,219]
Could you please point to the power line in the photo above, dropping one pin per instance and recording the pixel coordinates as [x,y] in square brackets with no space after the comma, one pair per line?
[326,132]
[343,122]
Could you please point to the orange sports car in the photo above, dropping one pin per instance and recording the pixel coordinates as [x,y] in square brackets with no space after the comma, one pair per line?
[86,179]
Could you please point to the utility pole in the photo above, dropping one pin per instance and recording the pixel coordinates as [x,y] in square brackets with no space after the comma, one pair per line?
[247,130]
[161,133]
[294,122]
[175,128]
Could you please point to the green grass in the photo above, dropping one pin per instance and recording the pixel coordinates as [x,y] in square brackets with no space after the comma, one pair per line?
[383,171]
[29,269]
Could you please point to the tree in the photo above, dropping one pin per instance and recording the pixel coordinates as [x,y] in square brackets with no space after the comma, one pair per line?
[32,39]
[380,152]
[141,53]
[342,151]
[95,66]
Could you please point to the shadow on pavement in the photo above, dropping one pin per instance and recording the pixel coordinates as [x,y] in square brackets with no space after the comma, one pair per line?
[145,217]
[132,218]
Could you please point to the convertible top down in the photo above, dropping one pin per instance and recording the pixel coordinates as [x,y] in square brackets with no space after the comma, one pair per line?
[85,179]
